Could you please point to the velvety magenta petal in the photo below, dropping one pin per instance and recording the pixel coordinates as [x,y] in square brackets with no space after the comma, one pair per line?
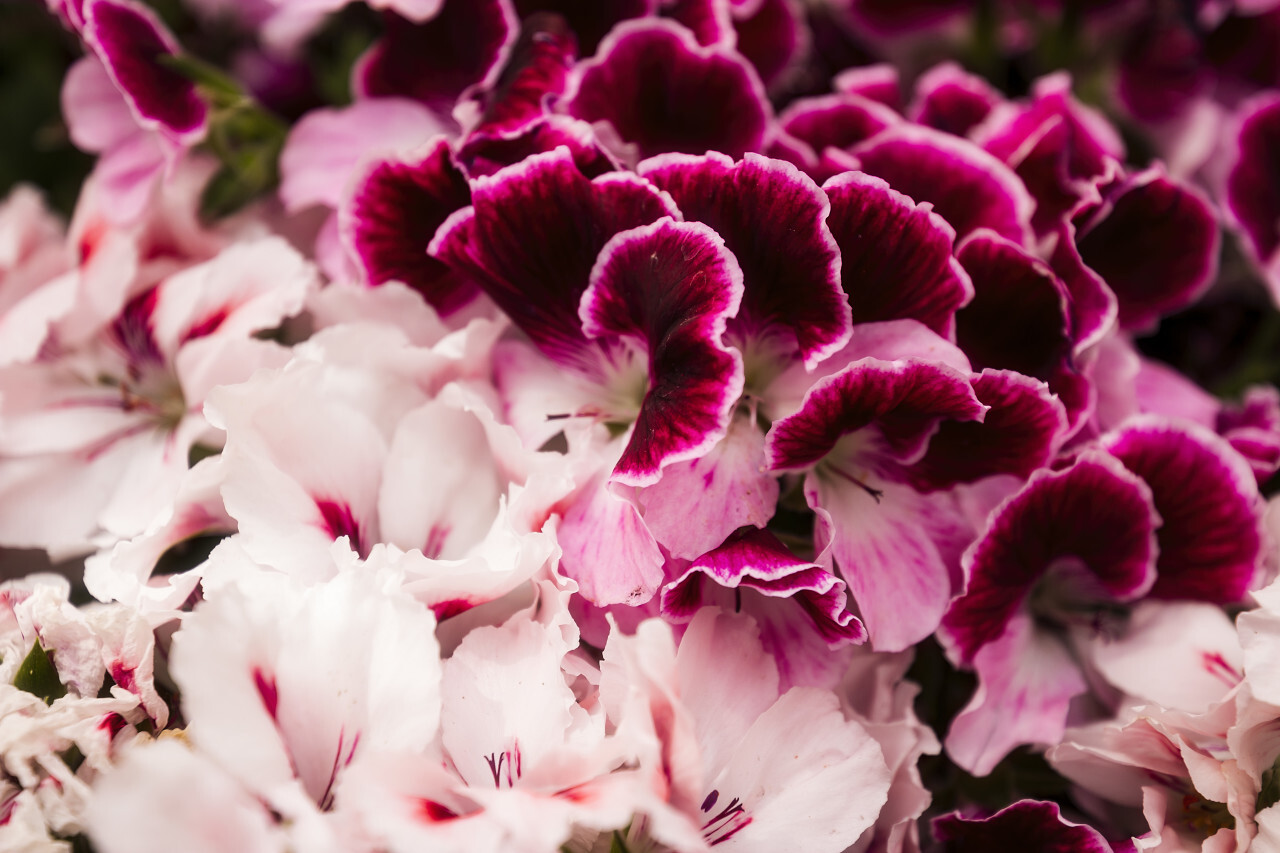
[950,99]
[131,41]
[436,60]
[1161,67]
[671,285]
[483,154]
[662,91]
[1059,148]
[1253,429]
[1019,434]
[1019,316]
[896,260]
[967,186]
[905,399]
[535,70]
[836,121]
[773,37]
[1251,195]
[393,214]
[877,83]
[590,20]
[1093,305]
[893,17]
[771,217]
[1155,243]
[532,235]
[697,504]
[1091,524]
[710,21]
[756,560]
[1028,826]
[1207,496]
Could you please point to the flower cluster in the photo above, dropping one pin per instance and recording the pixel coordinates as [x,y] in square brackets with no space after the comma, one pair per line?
[642,426]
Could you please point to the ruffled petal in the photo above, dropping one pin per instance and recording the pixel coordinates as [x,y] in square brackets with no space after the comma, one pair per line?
[1251,197]
[1087,530]
[950,99]
[1028,825]
[896,260]
[532,235]
[672,286]
[393,214]
[1207,496]
[662,91]
[968,187]
[771,217]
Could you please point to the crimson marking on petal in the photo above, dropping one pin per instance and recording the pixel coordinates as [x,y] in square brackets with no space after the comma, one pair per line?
[112,723]
[967,186]
[432,812]
[1206,494]
[1155,242]
[1093,518]
[267,691]
[532,236]
[452,607]
[1093,304]
[661,90]
[904,399]
[132,43]
[771,217]
[339,521]
[671,285]
[392,216]
[436,60]
[896,260]
[485,154]
[132,331]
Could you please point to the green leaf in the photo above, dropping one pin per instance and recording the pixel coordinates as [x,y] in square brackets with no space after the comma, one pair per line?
[38,676]
[616,845]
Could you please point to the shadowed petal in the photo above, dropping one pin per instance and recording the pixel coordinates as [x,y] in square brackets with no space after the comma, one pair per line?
[532,235]
[484,154]
[950,99]
[1251,195]
[836,121]
[771,217]
[1206,494]
[662,91]
[671,285]
[1025,821]
[968,187]
[393,214]
[773,37]
[1155,243]
[590,20]
[436,60]
[896,260]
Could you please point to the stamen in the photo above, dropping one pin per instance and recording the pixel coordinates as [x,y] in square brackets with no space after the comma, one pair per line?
[875,493]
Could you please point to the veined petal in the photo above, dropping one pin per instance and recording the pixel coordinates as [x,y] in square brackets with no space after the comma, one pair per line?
[772,217]
[1207,496]
[950,99]
[896,260]
[904,399]
[968,187]
[532,236]
[662,91]
[392,215]
[1087,530]
[835,121]
[673,286]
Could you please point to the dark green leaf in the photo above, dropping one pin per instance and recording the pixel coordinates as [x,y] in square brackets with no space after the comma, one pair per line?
[38,676]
